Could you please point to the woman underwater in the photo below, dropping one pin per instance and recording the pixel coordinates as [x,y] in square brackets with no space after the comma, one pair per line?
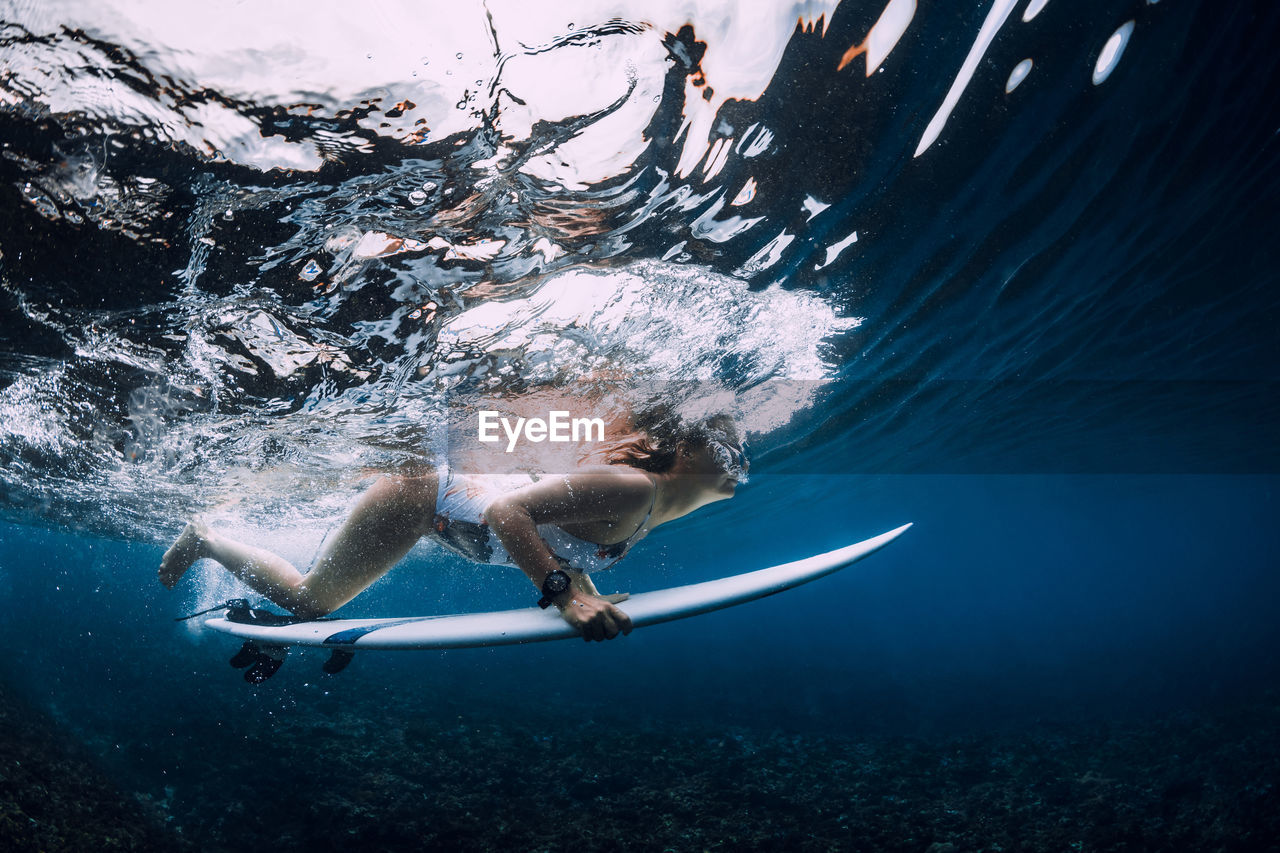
[556,530]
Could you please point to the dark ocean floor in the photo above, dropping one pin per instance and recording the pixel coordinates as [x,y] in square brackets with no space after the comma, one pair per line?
[54,796]
[327,780]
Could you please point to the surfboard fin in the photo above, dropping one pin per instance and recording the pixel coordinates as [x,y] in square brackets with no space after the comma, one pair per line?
[267,665]
[248,654]
[263,661]
[338,661]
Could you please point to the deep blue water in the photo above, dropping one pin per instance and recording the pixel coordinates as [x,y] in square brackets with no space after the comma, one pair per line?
[1012,599]
[1065,375]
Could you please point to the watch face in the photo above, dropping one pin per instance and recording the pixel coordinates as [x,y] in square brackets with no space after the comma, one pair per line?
[556,583]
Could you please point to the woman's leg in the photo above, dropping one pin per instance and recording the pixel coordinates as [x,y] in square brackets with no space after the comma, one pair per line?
[386,522]
[389,518]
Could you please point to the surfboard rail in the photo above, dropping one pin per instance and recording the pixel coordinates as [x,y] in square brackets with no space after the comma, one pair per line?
[531,624]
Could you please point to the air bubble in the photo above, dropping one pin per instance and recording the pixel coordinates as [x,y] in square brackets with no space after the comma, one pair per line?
[429,186]
[1111,53]
[459,56]
[1019,73]
[417,197]
[228,215]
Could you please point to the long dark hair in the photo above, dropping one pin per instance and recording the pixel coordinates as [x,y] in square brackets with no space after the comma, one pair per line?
[640,450]
[653,447]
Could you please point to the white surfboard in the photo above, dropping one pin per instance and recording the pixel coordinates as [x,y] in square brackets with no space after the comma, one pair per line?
[531,625]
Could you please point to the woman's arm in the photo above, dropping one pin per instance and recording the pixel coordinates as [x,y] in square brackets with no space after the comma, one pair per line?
[597,495]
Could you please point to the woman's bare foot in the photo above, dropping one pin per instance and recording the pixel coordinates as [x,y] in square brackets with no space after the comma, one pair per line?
[182,553]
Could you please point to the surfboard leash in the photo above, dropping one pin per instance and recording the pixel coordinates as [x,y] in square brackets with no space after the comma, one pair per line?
[238,610]
[228,605]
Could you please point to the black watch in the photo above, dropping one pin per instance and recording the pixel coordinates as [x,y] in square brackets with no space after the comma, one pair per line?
[554,584]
